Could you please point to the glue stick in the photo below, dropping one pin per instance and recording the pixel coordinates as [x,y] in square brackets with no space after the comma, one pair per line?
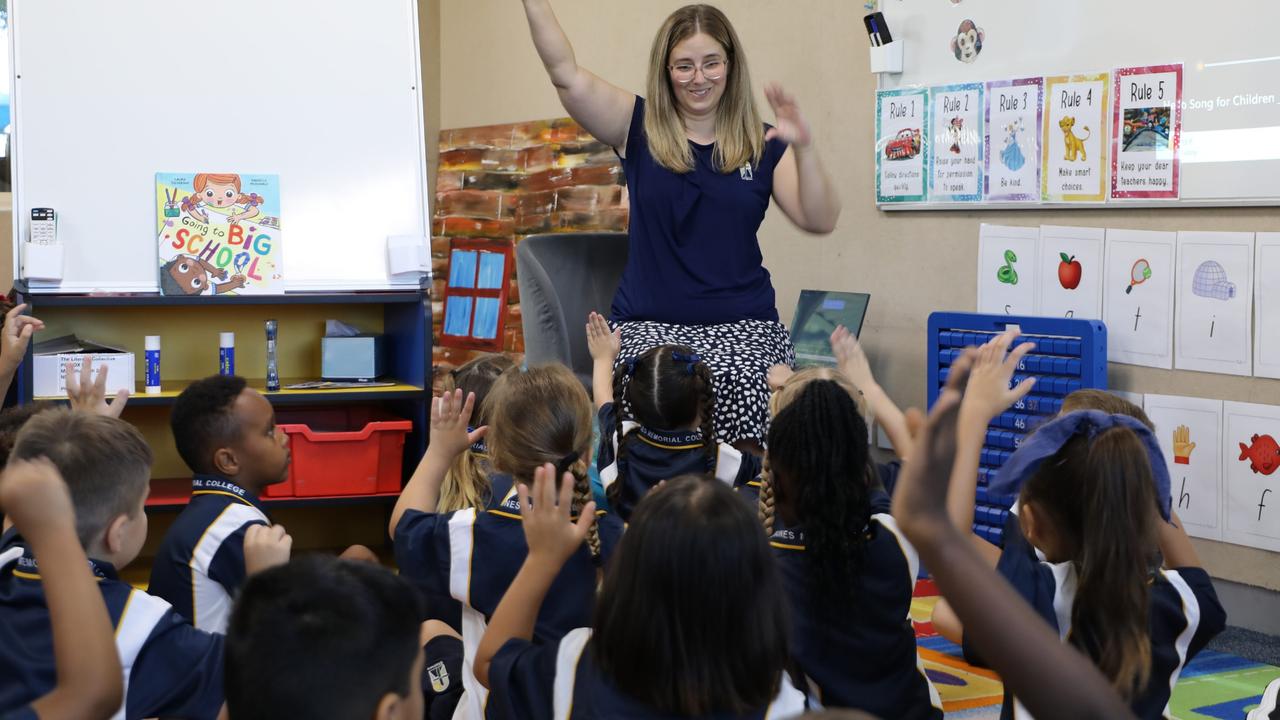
[227,353]
[153,364]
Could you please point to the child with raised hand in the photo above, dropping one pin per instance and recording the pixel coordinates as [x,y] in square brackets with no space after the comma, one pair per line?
[1053,681]
[690,622]
[170,669]
[87,665]
[537,416]
[848,571]
[15,336]
[656,415]
[466,484]
[1083,544]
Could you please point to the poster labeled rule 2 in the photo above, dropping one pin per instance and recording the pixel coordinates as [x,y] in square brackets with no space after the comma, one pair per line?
[956,136]
[1146,132]
[1013,139]
[1075,139]
[902,117]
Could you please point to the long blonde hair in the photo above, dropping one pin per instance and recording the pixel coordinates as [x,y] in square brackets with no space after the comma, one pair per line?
[466,485]
[539,416]
[739,130]
[785,395]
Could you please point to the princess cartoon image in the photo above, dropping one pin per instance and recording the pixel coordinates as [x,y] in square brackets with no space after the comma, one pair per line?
[1011,156]
[218,200]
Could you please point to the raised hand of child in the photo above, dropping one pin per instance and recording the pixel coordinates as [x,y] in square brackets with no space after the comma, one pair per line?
[15,337]
[88,392]
[990,391]
[604,344]
[920,497]
[552,536]
[450,415]
[266,546]
[852,359]
[35,498]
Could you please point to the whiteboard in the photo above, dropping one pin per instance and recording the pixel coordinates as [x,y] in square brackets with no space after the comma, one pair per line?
[1231,96]
[325,94]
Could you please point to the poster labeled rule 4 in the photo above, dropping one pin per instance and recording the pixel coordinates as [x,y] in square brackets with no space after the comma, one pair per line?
[1075,133]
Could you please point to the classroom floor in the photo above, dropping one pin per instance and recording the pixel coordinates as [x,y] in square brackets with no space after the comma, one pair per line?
[1223,682]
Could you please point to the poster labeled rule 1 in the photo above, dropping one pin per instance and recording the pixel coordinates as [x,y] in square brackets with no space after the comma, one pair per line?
[1075,139]
[1146,131]
[902,145]
[1013,140]
[955,143]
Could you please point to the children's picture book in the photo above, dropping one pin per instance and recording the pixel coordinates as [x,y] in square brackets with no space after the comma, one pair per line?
[219,233]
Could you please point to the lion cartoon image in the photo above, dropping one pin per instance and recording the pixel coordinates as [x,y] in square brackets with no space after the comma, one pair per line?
[1075,145]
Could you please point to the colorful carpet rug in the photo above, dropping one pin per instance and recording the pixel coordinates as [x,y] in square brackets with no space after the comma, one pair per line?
[1215,686]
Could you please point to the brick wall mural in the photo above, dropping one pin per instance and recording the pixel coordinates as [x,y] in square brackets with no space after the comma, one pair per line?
[495,186]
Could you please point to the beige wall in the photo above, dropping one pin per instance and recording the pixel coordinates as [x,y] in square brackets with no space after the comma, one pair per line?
[911,263]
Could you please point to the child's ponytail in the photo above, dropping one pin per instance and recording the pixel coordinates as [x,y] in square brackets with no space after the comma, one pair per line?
[1098,497]
[1118,535]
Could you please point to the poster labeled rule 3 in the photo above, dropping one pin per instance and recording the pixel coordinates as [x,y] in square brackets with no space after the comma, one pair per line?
[902,144]
[1146,132]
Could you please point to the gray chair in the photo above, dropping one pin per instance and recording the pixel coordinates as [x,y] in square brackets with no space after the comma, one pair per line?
[563,277]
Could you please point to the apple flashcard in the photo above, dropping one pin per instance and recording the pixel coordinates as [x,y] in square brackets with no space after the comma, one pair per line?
[1213,330]
[1137,297]
[1007,269]
[1070,270]
[1189,431]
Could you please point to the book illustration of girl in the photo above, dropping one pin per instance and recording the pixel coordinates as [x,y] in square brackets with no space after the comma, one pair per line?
[186,275]
[1011,156]
[218,200]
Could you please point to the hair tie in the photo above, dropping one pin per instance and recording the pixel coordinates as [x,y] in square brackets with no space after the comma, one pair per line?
[1049,438]
[691,358]
[630,365]
[566,462]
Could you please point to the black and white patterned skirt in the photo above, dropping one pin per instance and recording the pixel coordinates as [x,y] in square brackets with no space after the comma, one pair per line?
[739,355]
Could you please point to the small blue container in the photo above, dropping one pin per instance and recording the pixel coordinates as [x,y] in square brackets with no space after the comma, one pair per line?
[227,353]
[153,364]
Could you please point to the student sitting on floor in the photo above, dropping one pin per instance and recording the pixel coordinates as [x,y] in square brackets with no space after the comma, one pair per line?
[170,668]
[670,394]
[324,639]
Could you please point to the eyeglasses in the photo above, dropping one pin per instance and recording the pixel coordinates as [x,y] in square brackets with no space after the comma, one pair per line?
[685,72]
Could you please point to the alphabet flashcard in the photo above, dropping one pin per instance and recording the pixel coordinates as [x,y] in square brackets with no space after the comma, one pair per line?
[1189,431]
[1214,304]
[1250,458]
[1007,274]
[1137,297]
[1071,273]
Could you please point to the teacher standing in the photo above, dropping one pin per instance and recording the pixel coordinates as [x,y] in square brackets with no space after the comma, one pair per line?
[700,167]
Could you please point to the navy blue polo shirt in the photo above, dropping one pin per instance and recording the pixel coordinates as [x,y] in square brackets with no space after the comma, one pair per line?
[170,668]
[542,681]
[864,655]
[1184,615]
[694,257]
[656,455]
[200,564]
[473,557]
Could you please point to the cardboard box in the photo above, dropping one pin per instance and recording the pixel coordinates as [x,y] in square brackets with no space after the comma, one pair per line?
[51,358]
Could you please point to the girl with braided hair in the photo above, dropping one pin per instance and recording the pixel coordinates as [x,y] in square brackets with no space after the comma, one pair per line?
[656,416]
[536,417]
[848,572]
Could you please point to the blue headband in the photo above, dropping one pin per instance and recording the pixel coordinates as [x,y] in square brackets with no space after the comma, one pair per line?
[1050,437]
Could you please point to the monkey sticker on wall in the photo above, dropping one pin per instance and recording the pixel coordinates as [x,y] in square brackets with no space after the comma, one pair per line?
[967,42]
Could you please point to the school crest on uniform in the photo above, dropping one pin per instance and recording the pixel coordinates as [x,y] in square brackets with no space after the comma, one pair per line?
[745,172]
[439,676]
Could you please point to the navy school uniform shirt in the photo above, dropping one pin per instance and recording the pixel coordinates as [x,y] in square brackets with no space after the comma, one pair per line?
[862,655]
[170,668]
[694,257]
[473,556]
[200,564]
[656,455]
[541,681]
[1184,616]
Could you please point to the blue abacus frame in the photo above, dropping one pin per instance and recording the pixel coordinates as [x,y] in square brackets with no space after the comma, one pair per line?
[1070,354]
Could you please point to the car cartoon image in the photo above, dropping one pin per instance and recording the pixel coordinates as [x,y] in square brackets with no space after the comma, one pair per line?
[904,146]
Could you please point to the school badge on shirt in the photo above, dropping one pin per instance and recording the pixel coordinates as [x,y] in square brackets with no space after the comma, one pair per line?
[745,173]
[439,677]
